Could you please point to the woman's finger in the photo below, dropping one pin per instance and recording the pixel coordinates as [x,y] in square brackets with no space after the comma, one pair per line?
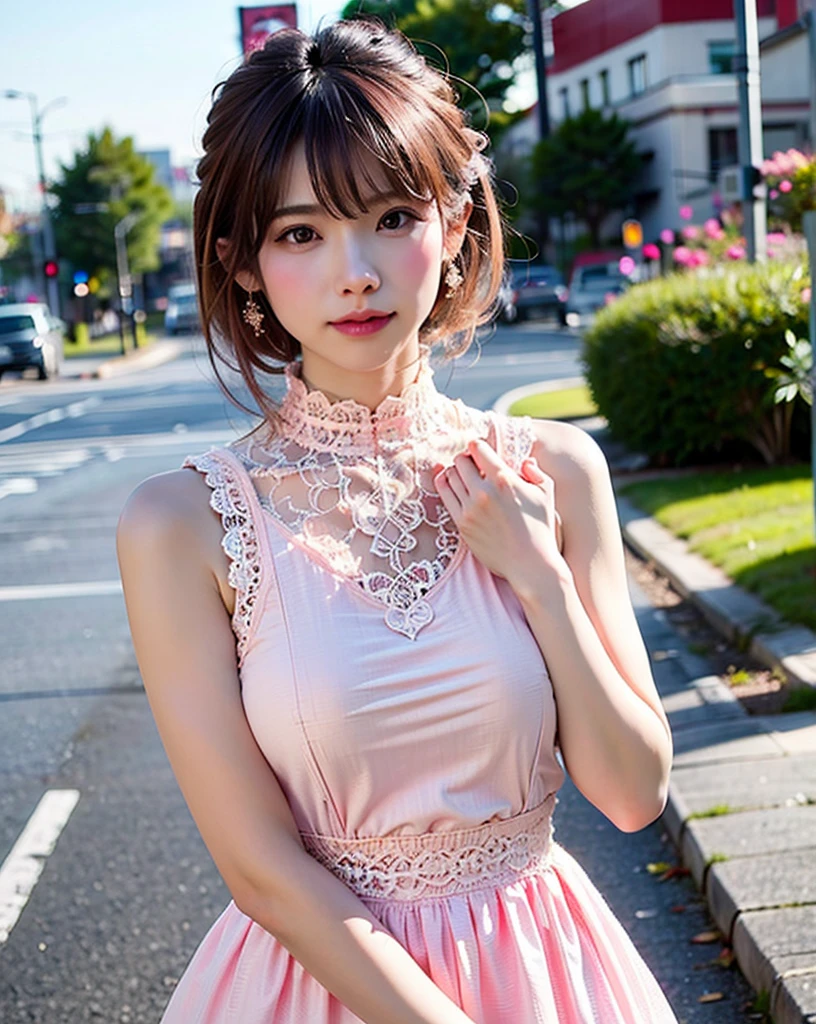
[449,499]
[456,485]
[486,460]
[468,471]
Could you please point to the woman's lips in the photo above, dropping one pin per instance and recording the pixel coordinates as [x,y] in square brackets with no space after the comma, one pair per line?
[358,327]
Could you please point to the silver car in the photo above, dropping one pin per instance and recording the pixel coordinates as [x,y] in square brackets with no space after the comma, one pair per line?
[182,309]
[592,287]
[30,337]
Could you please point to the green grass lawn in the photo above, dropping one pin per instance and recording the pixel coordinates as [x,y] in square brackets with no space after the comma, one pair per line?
[107,345]
[756,525]
[570,403]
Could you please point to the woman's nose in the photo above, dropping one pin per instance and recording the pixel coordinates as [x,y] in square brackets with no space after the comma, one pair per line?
[356,273]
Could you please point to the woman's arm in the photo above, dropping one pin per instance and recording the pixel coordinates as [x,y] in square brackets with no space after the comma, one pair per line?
[612,730]
[613,733]
[186,653]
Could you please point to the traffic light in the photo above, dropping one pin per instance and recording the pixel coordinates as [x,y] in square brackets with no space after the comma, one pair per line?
[51,268]
[632,234]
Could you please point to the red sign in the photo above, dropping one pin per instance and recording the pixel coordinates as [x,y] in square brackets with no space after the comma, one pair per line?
[258,24]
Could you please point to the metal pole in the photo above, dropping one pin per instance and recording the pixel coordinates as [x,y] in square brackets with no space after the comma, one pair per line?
[811,18]
[123,271]
[49,247]
[809,226]
[534,8]
[746,65]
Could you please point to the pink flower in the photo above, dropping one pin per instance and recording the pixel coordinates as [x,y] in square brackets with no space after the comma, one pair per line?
[785,185]
[682,255]
[774,193]
[667,236]
[686,212]
[806,294]
[690,233]
[699,258]
[736,252]
[712,229]
[651,251]
[776,238]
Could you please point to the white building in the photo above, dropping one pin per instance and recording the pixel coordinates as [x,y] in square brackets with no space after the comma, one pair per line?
[665,66]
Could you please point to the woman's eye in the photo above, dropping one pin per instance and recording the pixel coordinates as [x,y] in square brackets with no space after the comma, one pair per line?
[395,215]
[296,235]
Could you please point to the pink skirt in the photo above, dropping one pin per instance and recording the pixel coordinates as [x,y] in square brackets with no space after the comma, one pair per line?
[500,917]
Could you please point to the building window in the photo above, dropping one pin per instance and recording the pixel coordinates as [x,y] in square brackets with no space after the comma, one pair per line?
[637,74]
[585,93]
[604,77]
[565,107]
[721,57]
[722,150]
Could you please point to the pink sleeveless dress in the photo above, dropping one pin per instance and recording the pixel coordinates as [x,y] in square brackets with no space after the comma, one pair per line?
[402,702]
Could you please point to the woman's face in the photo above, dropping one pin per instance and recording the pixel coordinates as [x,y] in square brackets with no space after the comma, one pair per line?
[316,270]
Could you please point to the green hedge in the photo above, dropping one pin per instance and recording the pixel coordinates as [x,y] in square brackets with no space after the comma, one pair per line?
[675,365]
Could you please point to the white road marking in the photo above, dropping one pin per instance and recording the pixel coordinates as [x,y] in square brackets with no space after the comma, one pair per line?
[25,862]
[18,485]
[44,591]
[51,416]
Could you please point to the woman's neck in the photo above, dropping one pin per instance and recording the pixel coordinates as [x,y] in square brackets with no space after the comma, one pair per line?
[367,387]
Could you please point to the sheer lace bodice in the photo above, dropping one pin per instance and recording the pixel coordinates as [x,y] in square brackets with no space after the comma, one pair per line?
[356,488]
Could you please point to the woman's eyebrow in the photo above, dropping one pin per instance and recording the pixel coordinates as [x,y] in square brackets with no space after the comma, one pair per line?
[315,210]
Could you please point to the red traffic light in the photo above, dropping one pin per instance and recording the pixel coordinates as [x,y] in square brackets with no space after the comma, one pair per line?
[51,268]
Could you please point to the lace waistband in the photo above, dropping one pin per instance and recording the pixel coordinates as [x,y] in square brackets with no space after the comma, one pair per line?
[439,864]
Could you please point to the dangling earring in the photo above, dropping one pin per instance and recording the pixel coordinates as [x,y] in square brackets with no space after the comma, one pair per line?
[253,316]
[453,278]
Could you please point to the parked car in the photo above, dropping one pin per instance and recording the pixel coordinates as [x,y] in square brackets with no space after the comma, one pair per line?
[531,288]
[30,337]
[591,287]
[182,309]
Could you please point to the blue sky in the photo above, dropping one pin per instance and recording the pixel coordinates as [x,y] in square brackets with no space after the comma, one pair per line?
[146,69]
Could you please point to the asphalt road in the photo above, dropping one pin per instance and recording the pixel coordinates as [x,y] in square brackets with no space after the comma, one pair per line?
[129,890]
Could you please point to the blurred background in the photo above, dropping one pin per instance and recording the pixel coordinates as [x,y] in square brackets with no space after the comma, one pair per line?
[655,162]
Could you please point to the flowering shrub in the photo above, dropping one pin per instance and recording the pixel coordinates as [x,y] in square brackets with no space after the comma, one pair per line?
[791,181]
[676,365]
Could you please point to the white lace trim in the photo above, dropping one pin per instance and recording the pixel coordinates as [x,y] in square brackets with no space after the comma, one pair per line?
[239,541]
[437,865]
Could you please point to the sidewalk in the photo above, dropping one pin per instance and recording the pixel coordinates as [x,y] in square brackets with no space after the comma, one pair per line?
[742,796]
[162,350]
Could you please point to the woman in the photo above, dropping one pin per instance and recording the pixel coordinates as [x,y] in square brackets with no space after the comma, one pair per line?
[356,623]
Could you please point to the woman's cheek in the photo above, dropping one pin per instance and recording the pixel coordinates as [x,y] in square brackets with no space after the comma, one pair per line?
[284,284]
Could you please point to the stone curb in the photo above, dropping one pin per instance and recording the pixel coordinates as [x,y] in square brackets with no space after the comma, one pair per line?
[742,795]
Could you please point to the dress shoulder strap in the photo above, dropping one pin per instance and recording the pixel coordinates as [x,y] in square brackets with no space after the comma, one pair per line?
[515,437]
[234,498]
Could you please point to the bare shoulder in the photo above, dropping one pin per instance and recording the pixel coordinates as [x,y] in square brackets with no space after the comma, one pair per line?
[567,453]
[172,510]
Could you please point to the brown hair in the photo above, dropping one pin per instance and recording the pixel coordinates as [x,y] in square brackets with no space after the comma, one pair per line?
[354,89]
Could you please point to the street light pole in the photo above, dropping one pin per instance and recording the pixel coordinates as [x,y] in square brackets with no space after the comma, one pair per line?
[123,272]
[48,247]
[749,135]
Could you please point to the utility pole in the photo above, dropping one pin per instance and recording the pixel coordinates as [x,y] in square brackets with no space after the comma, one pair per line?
[534,9]
[809,224]
[749,135]
[811,23]
[48,249]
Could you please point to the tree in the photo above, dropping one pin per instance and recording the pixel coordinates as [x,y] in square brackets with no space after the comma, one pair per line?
[481,43]
[587,167]
[109,172]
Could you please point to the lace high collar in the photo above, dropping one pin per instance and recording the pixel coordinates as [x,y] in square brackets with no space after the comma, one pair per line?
[347,427]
